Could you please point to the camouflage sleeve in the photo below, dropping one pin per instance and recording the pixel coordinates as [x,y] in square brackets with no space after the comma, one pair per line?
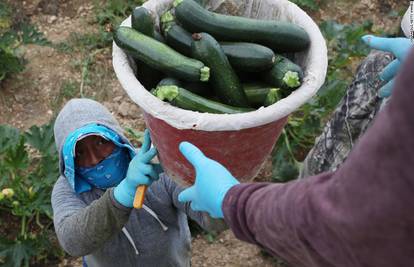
[351,118]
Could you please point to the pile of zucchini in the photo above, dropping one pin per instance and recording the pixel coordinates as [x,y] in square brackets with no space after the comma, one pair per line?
[209,62]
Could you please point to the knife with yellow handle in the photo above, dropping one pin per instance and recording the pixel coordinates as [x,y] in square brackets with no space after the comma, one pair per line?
[139,196]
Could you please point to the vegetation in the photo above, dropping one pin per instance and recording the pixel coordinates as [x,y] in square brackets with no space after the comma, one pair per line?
[28,159]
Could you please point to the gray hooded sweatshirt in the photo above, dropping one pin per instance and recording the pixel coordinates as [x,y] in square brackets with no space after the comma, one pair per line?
[93,224]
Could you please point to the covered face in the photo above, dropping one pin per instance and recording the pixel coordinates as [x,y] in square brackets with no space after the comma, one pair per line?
[93,151]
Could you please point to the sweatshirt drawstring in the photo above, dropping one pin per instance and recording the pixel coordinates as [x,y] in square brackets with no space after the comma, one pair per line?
[128,236]
[152,213]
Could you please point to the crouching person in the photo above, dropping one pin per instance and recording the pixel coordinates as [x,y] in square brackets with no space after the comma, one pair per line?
[92,199]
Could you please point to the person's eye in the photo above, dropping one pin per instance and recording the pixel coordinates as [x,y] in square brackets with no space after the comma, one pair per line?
[102,141]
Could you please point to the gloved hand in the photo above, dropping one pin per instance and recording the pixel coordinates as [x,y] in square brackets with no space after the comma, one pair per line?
[212,182]
[399,47]
[140,172]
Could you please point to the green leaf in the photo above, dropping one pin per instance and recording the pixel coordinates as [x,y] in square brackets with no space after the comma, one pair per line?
[42,138]
[9,137]
[30,35]
[16,253]
[16,158]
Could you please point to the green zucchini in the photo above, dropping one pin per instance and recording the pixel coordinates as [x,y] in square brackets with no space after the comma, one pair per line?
[256,93]
[198,88]
[272,97]
[142,21]
[277,35]
[248,57]
[178,38]
[185,99]
[284,74]
[170,81]
[159,37]
[159,56]
[224,80]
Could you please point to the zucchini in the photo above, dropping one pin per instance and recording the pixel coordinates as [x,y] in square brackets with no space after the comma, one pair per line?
[159,56]
[198,88]
[142,21]
[224,80]
[256,93]
[178,38]
[272,97]
[159,37]
[248,57]
[277,35]
[169,81]
[284,74]
[184,99]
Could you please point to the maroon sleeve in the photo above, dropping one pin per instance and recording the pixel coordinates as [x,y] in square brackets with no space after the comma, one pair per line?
[360,215]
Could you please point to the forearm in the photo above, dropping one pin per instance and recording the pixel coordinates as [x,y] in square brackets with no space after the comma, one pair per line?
[87,229]
[352,217]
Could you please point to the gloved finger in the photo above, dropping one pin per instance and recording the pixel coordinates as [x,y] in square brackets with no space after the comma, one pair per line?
[379,43]
[146,144]
[192,154]
[386,90]
[158,168]
[149,155]
[195,207]
[398,46]
[140,179]
[390,70]
[187,194]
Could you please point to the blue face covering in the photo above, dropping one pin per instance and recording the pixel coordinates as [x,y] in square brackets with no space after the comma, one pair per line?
[108,172]
[78,179]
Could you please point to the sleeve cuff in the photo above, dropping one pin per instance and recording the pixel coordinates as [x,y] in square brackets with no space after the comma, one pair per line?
[116,203]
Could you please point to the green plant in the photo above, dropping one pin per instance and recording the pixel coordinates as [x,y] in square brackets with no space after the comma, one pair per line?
[345,48]
[14,33]
[28,170]
[112,12]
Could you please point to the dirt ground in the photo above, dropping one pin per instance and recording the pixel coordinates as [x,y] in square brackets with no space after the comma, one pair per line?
[34,96]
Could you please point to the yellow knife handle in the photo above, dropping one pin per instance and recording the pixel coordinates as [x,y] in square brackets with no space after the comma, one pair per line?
[139,196]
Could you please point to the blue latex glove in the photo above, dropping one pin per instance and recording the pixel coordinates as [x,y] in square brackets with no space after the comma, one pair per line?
[140,172]
[397,46]
[212,182]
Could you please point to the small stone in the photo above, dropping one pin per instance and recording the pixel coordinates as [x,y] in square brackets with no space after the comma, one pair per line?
[117,98]
[51,19]
[123,109]
[50,112]
[133,110]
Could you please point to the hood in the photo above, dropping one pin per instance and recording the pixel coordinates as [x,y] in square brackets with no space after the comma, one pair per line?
[78,113]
